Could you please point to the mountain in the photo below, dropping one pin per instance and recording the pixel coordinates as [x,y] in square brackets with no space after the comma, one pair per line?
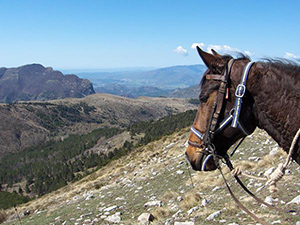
[35,82]
[164,79]
[189,92]
[175,76]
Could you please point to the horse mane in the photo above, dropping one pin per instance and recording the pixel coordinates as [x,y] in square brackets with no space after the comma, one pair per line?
[279,98]
[290,67]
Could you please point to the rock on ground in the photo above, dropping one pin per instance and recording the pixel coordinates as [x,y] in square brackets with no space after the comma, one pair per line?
[213,215]
[113,219]
[184,223]
[153,203]
[295,200]
[145,218]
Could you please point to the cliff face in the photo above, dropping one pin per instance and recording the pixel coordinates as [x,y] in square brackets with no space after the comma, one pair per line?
[35,82]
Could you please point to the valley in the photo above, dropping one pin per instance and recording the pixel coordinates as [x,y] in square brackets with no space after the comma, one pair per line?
[175,81]
[78,136]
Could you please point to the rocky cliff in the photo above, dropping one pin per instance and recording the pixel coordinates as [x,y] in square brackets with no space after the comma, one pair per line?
[35,82]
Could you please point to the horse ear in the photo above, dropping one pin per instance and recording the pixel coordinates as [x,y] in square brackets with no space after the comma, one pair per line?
[215,53]
[206,57]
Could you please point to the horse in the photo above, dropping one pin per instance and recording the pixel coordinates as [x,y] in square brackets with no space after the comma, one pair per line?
[236,97]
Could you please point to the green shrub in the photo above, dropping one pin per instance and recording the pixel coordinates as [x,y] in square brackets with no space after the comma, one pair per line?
[8,199]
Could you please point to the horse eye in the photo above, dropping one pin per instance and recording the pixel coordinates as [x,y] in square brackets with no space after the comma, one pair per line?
[203,99]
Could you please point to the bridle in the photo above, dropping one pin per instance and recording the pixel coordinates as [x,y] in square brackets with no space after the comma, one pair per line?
[214,126]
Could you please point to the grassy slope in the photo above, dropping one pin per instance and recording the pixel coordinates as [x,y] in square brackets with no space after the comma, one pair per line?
[151,173]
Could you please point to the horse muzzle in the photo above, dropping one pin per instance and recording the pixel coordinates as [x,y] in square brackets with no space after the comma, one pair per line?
[202,162]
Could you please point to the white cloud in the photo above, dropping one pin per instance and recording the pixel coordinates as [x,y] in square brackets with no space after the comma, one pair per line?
[224,49]
[248,53]
[221,49]
[194,45]
[180,50]
[289,55]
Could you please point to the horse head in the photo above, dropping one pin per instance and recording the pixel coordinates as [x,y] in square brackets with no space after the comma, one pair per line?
[212,131]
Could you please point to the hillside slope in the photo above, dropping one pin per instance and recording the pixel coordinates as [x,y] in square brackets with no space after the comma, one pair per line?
[155,179]
[31,123]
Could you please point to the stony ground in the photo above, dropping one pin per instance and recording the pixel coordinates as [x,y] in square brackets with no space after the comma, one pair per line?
[155,179]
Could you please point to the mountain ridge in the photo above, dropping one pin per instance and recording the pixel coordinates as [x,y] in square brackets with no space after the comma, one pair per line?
[164,78]
[36,82]
[169,81]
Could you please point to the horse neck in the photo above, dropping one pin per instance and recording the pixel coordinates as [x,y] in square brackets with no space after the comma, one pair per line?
[275,90]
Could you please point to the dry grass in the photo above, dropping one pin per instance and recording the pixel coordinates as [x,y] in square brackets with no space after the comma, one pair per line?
[161,212]
[190,200]
[203,180]
[3,216]
[171,195]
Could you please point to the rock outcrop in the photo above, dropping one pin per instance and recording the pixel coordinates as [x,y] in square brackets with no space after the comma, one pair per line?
[35,82]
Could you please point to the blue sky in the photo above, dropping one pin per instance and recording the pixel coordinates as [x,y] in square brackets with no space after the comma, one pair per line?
[143,33]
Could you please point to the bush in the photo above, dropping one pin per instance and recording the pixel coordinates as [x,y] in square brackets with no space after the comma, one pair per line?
[194,101]
[8,199]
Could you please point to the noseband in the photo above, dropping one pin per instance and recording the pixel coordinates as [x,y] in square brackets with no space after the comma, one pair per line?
[213,127]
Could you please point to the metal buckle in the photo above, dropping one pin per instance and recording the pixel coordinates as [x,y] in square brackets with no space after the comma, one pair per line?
[211,149]
[240,90]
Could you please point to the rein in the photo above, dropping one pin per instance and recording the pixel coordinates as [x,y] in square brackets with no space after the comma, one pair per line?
[237,201]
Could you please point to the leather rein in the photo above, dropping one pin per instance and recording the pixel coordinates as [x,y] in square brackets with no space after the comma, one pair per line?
[213,127]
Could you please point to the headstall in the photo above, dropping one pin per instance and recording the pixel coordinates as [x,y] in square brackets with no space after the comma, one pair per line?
[213,126]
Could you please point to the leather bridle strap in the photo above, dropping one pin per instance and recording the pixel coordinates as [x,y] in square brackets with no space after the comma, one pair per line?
[221,96]
[239,93]
[215,77]
[237,201]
